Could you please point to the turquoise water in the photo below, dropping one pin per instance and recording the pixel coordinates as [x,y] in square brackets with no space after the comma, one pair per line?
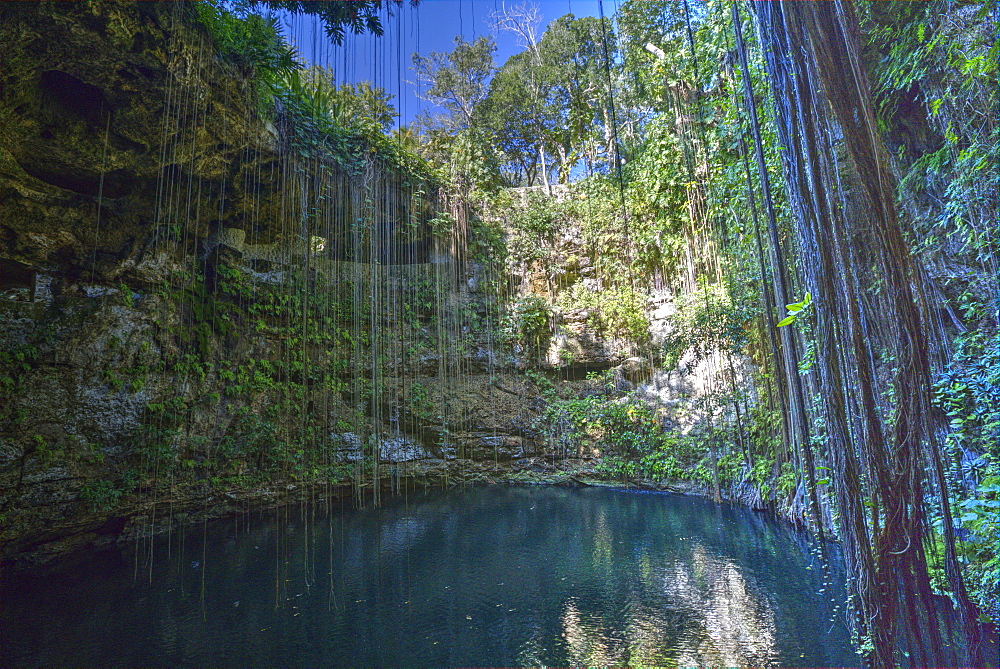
[506,575]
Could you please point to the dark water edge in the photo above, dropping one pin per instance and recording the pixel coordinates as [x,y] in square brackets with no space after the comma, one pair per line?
[504,575]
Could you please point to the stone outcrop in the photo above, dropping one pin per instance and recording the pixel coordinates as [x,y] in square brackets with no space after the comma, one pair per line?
[101,102]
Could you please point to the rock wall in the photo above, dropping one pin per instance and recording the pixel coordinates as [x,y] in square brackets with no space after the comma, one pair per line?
[97,102]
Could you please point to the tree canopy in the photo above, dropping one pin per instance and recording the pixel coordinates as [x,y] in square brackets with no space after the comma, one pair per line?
[337,16]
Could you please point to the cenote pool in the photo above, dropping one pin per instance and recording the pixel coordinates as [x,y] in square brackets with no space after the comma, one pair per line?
[505,575]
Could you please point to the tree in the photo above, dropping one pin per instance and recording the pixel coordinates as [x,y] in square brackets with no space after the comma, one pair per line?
[870,308]
[351,104]
[577,56]
[548,106]
[527,67]
[517,120]
[456,81]
[356,16]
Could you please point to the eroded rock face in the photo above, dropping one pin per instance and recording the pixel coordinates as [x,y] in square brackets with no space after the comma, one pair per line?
[103,106]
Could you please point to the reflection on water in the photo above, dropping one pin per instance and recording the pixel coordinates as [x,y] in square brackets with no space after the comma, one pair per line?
[738,625]
[697,613]
[492,576]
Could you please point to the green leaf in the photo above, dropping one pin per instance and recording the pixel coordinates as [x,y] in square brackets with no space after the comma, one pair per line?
[786,321]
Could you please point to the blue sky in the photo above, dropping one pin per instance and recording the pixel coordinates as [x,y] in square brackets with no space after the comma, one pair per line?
[431,26]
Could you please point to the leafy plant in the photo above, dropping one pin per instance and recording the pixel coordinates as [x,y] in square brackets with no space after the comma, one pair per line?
[529,319]
[795,310]
[101,495]
[979,520]
[249,40]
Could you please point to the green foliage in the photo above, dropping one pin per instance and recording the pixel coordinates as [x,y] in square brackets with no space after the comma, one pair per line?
[730,467]
[360,106]
[627,432]
[48,451]
[516,120]
[678,458]
[529,224]
[310,338]
[711,319]
[543,111]
[337,16]
[795,310]
[529,319]
[657,196]
[258,439]
[18,359]
[763,430]
[969,394]
[248,40]
[576,55]
[590,213]
[980,518]
[934,68]
[420,405]
[15,364]
[342,125]
[761,475]
[617,311]
[102,496]
[623,426]
[786,480]
[673,458]
[456,81]
[546,107]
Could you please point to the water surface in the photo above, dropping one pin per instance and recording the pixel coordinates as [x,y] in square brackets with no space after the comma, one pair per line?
[487,576]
